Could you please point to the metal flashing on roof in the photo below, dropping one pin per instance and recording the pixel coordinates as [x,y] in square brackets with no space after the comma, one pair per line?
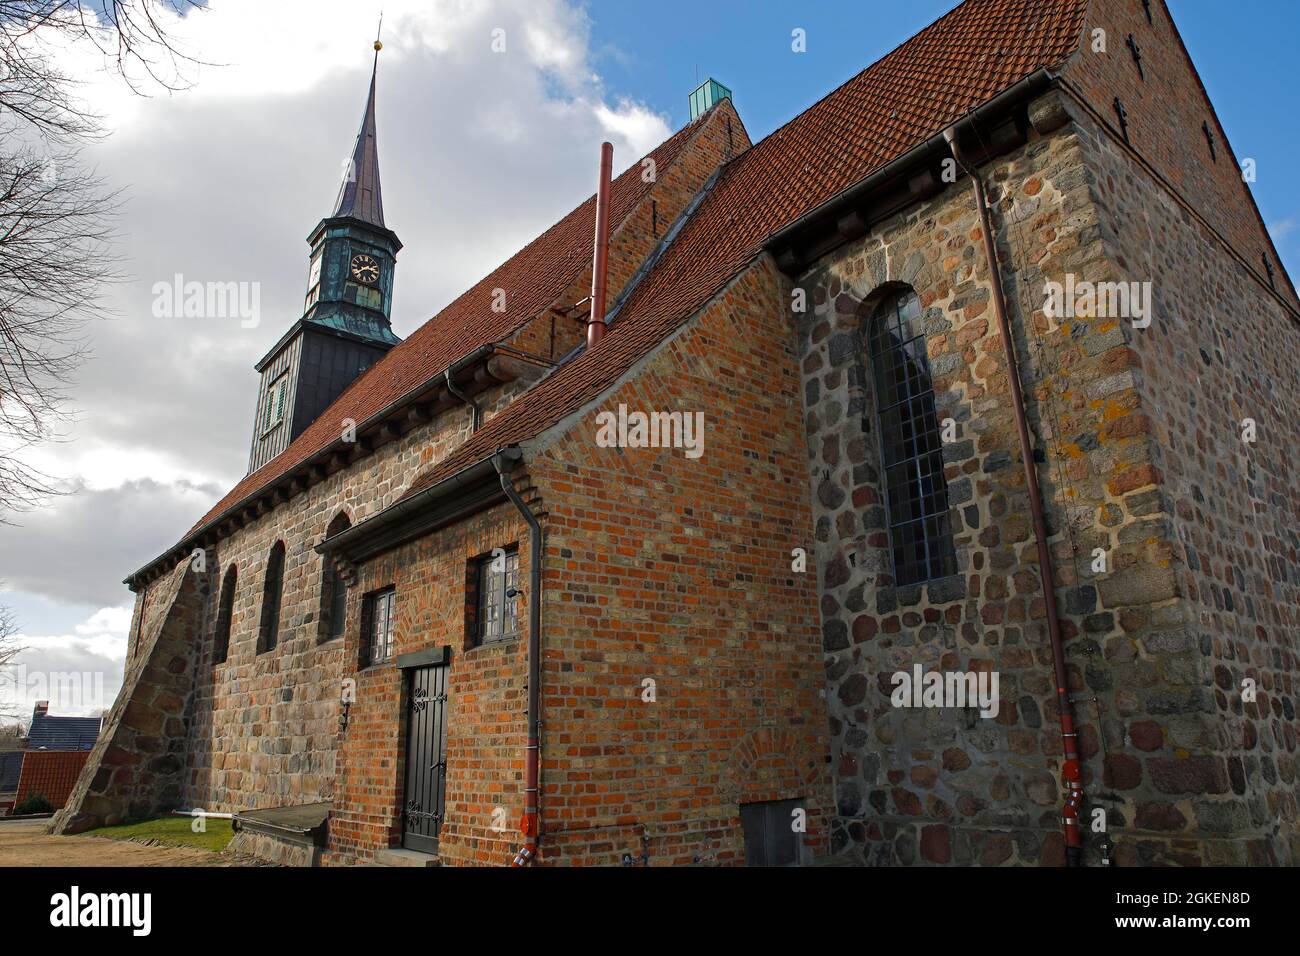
[705,96]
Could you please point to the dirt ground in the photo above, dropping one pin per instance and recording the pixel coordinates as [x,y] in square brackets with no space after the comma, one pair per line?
[25,843]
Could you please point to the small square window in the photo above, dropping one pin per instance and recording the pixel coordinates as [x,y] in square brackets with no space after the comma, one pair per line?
[377,627]
[496,615]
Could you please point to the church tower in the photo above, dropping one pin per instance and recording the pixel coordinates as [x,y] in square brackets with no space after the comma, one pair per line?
[344,328]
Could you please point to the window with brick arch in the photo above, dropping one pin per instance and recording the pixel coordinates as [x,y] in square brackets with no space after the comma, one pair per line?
[268,634]
[225,612]
[911,451]
[334,590]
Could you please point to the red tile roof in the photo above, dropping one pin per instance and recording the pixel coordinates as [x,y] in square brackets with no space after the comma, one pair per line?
[957,63]
[51,773]
[534,276]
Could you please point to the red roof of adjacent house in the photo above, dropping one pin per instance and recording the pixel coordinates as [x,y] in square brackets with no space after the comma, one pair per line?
[957,63]
[51,773]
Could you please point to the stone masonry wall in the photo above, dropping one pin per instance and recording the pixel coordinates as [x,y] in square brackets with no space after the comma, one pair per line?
[1222,348]
[948,786]
[136,767]
[679,571]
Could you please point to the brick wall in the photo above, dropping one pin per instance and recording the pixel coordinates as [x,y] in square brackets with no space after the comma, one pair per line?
[676,570]
[1166,106]
[262,730]
[487,697]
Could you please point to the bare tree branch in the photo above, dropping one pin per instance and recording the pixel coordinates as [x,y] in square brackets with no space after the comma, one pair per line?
[9,651]
[55,215]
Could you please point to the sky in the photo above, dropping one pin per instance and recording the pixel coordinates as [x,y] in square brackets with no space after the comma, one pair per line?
[479,151]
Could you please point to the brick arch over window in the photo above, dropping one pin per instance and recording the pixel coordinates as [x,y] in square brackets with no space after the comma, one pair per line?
[334,589]
[911,449]
[769,764]
[268,633]
[225,614]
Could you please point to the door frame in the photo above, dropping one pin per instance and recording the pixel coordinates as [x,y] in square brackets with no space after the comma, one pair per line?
[411,666]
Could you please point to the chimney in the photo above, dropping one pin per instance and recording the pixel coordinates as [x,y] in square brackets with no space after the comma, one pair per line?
[40,710]
[600,265]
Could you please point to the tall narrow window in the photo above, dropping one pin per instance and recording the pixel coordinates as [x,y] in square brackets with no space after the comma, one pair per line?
[334,590]
[920,530]
[496,614]
[268,633]
[273,407]
[225,612]
[377,627]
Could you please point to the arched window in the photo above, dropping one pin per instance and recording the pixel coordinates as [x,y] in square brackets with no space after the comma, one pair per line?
[272,591]
[225,612]
[334,590]
[916,494]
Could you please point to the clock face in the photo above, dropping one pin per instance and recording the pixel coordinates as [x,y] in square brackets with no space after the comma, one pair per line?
[365,269]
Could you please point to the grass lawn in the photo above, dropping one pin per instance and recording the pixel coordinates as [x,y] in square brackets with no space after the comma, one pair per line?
[172,831]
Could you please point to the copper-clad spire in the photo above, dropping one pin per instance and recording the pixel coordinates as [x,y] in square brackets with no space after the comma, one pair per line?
[360,196]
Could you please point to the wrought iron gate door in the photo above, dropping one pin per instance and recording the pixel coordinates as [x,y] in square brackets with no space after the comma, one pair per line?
[426,758]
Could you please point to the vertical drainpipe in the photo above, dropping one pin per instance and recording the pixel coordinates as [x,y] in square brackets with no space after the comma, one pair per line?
[600,256]
[1071,775]
[503,461]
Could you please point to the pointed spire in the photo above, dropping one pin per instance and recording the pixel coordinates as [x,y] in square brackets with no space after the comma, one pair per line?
[359,196]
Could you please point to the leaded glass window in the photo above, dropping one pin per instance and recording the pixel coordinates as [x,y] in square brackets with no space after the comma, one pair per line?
[916,493]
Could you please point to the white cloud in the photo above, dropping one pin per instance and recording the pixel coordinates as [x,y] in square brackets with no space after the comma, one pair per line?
[638,126]
[78,549]
[79,674]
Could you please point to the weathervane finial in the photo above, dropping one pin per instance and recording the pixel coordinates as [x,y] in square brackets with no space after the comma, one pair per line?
[379,46]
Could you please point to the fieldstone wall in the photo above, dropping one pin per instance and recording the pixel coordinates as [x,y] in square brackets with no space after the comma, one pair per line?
[948,786]
[136,768]
[1220,358]
[266,848]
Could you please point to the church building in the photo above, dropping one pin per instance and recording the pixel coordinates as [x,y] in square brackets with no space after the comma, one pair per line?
[912,486]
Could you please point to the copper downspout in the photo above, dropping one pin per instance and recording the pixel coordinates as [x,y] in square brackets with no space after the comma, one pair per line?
[504,461]
[600,266]
[1071,777]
